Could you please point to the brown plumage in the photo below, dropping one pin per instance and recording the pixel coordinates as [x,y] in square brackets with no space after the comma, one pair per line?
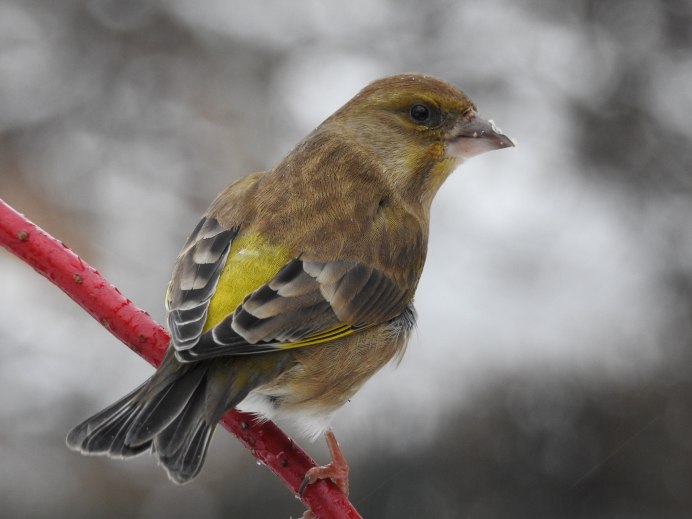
[297,284]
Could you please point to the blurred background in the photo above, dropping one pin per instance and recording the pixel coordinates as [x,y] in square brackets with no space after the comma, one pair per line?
[551,372]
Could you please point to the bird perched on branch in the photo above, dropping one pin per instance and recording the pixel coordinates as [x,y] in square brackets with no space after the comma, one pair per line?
[297,284]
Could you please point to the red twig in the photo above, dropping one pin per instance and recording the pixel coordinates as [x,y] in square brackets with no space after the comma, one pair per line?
[142,334]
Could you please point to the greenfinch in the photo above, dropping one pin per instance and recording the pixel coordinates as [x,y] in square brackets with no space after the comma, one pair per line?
[297,284]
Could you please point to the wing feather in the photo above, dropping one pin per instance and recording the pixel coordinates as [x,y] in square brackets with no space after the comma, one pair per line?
[305,303]
[194,280]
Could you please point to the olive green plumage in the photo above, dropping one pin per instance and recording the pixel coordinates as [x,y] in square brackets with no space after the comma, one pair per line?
[297,284]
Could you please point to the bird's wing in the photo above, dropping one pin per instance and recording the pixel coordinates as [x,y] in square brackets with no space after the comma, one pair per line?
[299,303]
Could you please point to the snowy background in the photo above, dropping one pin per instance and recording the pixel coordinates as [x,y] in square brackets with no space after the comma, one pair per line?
[550,375]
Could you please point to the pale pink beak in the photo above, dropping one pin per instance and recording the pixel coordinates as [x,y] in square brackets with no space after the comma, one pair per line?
[471,137]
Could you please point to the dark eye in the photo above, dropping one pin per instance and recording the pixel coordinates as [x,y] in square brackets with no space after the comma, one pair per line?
[420,113]
[425,115]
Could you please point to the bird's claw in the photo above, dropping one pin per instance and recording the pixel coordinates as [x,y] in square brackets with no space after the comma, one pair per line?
[336,470]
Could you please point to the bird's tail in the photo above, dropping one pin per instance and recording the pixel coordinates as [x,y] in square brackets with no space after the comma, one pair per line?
[174,414]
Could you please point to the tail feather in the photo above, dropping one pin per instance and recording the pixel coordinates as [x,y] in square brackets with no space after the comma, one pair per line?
[162,408]
[174,413]
[171,440]
[129,426]
[182,447]
[187,461]
[111,438]
[104,432]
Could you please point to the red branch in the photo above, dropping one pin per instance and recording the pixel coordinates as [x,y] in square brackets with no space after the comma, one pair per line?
[144,336]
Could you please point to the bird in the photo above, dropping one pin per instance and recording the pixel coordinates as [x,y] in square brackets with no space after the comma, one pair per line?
[297,284]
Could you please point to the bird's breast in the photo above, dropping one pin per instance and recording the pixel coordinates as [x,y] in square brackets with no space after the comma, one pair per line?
[322,378]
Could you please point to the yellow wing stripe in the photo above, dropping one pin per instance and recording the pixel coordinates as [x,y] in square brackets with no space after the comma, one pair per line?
[328,335]
[251,263]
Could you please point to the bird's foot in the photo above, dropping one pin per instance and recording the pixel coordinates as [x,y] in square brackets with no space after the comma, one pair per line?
[337,470]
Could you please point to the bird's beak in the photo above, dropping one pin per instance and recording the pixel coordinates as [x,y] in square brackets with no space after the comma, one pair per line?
[471,137]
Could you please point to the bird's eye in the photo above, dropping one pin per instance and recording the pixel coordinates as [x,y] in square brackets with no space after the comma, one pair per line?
[420,113]
[426,115]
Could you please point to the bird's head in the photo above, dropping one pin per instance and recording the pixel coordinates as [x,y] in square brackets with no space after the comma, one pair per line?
[419,127]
